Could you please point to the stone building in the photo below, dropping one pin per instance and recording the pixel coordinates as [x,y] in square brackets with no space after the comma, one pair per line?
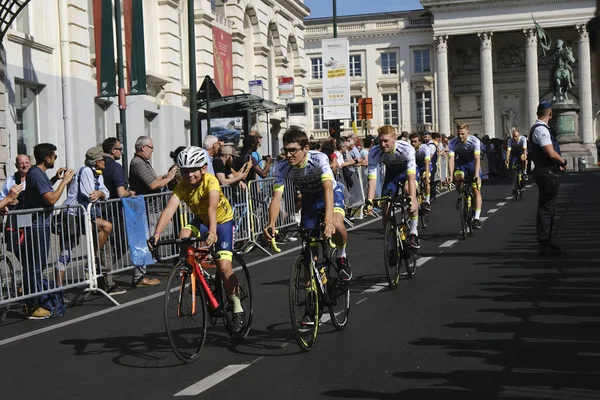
[48,90]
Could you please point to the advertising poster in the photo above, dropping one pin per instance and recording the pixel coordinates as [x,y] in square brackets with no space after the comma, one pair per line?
[223,61]
[228,130]
[336,79]
[286,88]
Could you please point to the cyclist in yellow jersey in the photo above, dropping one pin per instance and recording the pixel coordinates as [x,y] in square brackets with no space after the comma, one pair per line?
[213,214]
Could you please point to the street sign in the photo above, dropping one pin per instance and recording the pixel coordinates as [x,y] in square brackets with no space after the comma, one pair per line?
[256,87]
[286,88]
[336,79]
[365,108]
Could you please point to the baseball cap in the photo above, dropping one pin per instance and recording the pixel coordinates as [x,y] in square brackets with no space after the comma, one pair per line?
[544,105]
[94,154]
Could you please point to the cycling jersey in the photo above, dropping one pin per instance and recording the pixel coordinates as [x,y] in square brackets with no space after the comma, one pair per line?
[308,178]
[400,160]
[464,153]
[421,155]
[197,198]
[517,148]
[433,152]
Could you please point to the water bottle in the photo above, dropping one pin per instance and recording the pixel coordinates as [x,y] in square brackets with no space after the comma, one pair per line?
[323,276]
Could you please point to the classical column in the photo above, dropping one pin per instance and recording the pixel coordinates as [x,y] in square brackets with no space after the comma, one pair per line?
[533,86]
[585,87]
[487,85]
[443,92]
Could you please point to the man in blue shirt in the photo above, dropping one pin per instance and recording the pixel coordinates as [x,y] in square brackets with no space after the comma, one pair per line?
[40,194]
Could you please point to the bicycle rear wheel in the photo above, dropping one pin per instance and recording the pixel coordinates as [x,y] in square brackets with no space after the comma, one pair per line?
[409,261]
[464,210]
[391,256]
[304,304]
[339,299]
[185,322]
[424,218]
[244,292]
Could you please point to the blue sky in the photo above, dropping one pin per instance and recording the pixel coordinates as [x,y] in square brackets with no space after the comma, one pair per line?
[324,8]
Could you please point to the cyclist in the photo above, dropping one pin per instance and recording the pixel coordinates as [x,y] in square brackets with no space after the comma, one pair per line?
[398,156]
[423,160]
[516,152]
[213,214]
[432,139]
[465,163]
[312,176]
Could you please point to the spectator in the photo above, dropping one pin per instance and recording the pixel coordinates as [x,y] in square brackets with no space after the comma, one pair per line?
[329,149]
[22,164]
[353,150]
[86,187]
[142,177]
[211,150]
[250,146]
[40,194]
[256,153]
[340,153]
[404,136]
[13,194]
[364,153]
[143,180]
[174,154]
[224,173]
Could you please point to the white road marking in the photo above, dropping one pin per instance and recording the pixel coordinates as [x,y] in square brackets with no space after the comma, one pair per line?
[360,301]
[528,186]
[148,298]
[448,243]
[376,288]
[493,210]
[423,260]
[501,204]
[483,219]
[212,380]
[509,198]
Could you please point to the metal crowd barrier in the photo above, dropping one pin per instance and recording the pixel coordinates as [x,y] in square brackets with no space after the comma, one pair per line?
[42,252]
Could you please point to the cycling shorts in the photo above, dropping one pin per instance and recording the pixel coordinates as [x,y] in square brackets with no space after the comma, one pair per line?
[224,245]
[467,171]
[313,204]
[421,170]
[516,158]
[393,182]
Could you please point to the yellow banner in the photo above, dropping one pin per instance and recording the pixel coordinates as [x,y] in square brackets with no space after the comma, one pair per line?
[336,73]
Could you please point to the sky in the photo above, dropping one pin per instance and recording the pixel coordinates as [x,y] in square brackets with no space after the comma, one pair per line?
[324,8]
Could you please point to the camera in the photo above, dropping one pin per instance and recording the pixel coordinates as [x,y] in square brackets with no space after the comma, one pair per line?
[265,158]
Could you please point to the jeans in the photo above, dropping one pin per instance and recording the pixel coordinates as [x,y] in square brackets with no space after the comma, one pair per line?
[37,243]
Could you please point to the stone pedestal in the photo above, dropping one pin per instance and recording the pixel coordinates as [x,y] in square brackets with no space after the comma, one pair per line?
[565,122]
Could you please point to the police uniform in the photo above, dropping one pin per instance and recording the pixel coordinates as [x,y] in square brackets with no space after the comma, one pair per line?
[546,175]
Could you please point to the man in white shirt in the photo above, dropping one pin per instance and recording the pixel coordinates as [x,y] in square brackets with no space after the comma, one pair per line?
[22,164]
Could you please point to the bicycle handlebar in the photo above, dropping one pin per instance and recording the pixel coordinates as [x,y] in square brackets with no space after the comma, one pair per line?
[178,241]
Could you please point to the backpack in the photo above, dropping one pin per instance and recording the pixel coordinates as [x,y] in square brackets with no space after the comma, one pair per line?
[53,302]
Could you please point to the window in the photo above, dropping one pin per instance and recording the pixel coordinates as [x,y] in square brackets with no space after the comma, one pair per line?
[318,122]
[91,26]
[355,65]
[390,109]
[316,68]
[22,21]
[388,63]
[100,117]
[422,61]
[424,112]
[27,118]
[353,111]
[150,124]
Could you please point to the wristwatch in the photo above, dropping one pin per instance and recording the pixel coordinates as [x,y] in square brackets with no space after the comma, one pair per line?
[564,165]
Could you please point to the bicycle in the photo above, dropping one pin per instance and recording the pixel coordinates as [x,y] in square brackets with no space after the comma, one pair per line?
[192,292]
[316,276]
[465,208]
[423,212]
[395,243]
[518,180]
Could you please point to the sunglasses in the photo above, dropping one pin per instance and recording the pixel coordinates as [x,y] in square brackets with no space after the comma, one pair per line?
[291,151]
[152,147]
[121,149]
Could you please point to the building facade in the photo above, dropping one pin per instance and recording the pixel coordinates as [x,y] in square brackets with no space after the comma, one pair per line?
[477,62]
[48,90]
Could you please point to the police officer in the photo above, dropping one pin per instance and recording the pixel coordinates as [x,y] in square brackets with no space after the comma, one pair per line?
[545,154]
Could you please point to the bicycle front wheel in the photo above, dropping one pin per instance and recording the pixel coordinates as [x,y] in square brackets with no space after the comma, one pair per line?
[390,254]
[464,211]
[244,293]
[185,314]
[304,304]
[339,299]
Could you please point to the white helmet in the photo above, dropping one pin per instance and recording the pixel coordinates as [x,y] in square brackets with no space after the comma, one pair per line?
[191,157]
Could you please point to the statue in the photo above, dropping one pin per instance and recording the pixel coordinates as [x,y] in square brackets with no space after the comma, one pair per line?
[561,58]
[510,120]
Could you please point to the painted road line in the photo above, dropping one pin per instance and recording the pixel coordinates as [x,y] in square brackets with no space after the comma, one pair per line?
[376,288]
[493,210]
[483,219]
[448,243]
[212,380]
[508,198]
[501,204]
[423,260]
[360,301]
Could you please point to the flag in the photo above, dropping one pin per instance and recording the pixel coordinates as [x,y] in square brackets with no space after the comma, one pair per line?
[105,48]
[543,37]
[135,54]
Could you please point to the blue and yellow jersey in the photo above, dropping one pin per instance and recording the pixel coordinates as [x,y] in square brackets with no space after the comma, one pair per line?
[465,152]
[422,154]
[197,198]
[400,159]
[517,147]
[308,177]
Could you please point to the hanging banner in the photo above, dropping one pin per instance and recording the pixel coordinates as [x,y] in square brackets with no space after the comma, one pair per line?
[256,87]
[336,80]
[223,61]
[286,88]
[105,48]
[134,46]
